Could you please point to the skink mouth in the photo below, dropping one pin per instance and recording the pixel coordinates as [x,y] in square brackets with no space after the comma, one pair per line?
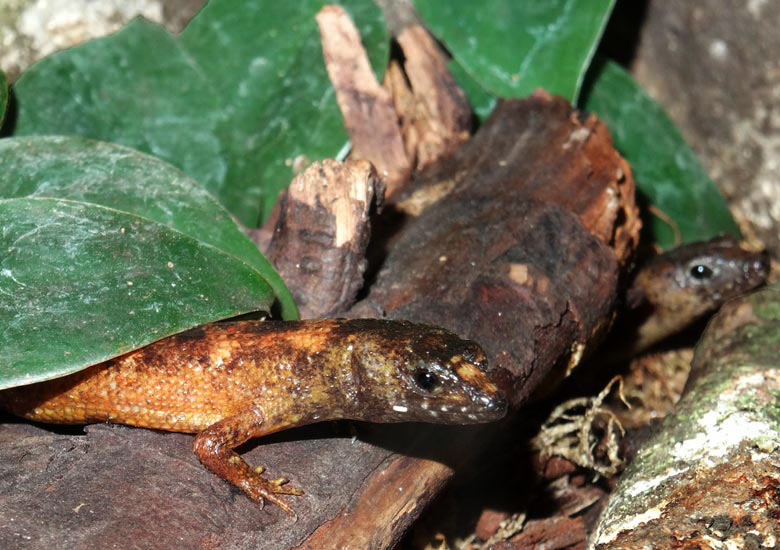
[483,409]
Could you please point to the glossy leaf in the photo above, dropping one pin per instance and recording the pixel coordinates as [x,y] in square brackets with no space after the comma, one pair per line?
[512,47]
[81,283]
[668,173]
[232,101]
[482,102]
[123,179]
[105,250]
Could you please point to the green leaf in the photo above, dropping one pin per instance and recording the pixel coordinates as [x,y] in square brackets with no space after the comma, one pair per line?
[81,283]
[232,101]
[3,96]
[105,250]
[480,99]
[668,173]
[512,47]
[117,177]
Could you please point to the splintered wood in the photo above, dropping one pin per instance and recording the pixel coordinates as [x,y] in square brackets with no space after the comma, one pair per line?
[367,108]
[321,234]
[434,112]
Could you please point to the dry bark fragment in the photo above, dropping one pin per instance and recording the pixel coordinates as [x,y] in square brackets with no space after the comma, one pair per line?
[710,478]
[560,533]
[434,113]
[433,110]
[321,234]
[367,108]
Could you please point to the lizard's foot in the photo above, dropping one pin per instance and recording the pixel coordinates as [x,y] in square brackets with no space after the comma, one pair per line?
[260,489]
[214,448]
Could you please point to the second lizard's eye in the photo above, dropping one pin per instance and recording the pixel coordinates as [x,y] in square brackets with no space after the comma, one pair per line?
[701,272]
[425,379]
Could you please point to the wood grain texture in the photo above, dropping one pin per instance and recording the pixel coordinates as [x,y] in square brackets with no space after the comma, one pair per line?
[367,108]
[434,114]
[321,231]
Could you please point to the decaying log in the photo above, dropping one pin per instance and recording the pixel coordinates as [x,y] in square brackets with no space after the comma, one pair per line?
[321,233]
[710,478]
[572,164]
[367,108]
[520,253]
[500,257]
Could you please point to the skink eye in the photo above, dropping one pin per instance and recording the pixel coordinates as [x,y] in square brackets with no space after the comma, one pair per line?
[701,272]
[425,379]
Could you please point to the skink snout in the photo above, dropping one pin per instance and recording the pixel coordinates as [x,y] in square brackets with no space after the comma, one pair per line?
[761,265]
[496,408]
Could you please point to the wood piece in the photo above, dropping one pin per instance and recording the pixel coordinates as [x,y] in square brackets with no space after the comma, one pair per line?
[558,533]
[321,234]
[505,260]
[571,163]
[489,523]
[367,108]
[711,475]
[350,530]
[508,274]
[511,233]
[434,113]
[116,484]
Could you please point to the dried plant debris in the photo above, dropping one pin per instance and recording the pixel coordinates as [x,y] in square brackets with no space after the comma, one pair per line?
[584,432]
[652,386]
[507,528]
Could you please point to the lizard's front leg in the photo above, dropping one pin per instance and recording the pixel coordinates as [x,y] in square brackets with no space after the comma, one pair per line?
[214,448]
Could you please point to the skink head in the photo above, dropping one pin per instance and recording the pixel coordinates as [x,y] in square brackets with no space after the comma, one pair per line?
[699,277]
[415,372]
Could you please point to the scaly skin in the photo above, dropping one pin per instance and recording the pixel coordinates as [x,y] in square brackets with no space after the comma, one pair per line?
[230,382]
[678,287]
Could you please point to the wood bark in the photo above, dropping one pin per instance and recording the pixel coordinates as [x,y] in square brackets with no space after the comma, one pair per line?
[321,233]
[367,107]
[710,478]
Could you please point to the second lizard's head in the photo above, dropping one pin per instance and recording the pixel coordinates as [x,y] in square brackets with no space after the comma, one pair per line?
[406,371]
[698,277]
